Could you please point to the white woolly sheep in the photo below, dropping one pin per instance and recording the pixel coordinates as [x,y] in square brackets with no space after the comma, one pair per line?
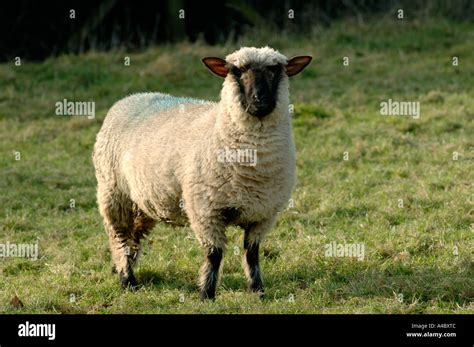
[183,160]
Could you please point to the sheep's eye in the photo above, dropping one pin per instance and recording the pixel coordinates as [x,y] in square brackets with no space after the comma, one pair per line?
[236,72]
[274,68]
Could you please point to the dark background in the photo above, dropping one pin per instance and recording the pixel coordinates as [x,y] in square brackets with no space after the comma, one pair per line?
[38,29]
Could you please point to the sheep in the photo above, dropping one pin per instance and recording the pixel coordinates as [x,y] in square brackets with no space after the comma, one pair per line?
[176,159]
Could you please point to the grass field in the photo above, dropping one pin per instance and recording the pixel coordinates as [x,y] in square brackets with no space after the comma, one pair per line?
[418,250]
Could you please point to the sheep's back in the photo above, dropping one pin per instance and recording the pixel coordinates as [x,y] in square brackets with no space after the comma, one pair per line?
[143,142]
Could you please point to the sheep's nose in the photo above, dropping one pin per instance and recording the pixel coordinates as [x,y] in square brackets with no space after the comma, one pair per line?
[259,99]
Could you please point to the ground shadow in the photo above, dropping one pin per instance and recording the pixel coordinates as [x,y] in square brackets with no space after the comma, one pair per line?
[421,283]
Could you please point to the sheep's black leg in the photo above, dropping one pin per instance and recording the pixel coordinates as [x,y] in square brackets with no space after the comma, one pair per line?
[127,278]
[251,263]
[124,254]
[210,273]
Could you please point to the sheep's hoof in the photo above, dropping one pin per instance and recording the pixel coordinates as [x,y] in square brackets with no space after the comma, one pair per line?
[207,295]
[257,289]
[128,281]
[256,286]
[114,269]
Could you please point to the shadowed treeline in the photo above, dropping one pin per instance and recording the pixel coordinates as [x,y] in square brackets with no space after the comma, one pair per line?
[36,30]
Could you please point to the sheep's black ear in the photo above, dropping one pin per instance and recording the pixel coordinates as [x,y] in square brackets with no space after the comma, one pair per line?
[216,65]
[297,64]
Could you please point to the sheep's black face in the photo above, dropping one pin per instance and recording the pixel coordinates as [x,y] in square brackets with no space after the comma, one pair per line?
[258,83]
[258,87]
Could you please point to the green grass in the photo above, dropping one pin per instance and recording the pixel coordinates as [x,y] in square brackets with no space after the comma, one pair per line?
[410,265]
